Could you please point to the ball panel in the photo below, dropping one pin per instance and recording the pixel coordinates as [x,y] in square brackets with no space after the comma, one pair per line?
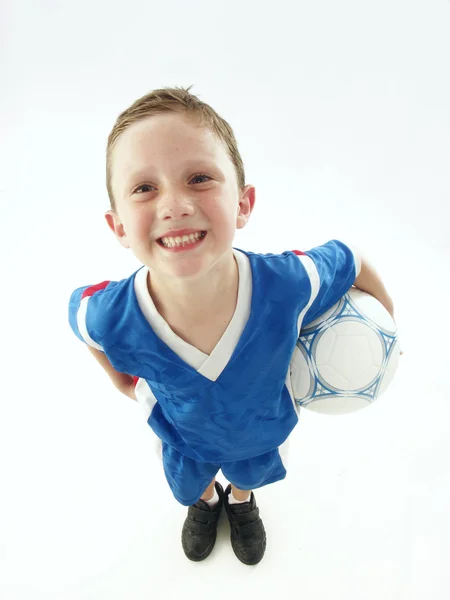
[352,353]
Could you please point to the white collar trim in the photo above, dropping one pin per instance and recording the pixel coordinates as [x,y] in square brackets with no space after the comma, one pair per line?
[209,366]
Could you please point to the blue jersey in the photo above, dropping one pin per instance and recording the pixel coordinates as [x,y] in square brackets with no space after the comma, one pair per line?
[237,402]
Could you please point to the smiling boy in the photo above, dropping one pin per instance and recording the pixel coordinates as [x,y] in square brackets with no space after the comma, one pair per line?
[203,334]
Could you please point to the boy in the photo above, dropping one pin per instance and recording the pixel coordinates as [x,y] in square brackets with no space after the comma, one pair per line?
[202,335]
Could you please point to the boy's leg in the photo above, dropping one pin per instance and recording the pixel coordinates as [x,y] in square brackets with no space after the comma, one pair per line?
[240,495]
[209,492]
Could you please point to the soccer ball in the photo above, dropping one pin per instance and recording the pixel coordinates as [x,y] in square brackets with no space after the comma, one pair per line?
[345,359]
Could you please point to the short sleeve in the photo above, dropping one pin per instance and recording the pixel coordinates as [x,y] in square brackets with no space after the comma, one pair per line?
[82,313]
[332,272]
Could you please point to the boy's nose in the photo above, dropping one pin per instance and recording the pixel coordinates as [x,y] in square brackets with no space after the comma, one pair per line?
[175,208]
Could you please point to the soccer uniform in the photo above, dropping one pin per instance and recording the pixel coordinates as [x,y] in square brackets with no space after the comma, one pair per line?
[233,409]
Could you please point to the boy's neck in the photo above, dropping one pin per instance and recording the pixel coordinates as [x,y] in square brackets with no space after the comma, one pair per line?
[187,298]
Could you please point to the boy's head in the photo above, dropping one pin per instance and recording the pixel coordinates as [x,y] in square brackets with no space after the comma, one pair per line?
[173,164]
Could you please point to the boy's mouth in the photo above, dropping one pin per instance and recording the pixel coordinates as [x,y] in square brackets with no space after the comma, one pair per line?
[182,241]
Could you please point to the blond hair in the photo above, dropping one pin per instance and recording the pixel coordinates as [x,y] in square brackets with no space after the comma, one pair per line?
[174,100]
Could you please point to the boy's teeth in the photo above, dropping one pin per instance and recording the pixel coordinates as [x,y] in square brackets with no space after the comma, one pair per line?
[171,242]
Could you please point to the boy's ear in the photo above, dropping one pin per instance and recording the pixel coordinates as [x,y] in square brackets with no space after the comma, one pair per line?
[245,206]
[116,226]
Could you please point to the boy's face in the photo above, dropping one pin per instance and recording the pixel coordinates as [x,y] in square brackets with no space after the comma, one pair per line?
[169,175]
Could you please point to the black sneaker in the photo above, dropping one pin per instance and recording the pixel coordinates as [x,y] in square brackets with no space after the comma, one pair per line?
[200,528]
[248,536]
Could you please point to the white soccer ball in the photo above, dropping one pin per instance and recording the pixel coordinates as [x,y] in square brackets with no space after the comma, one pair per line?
[345,359]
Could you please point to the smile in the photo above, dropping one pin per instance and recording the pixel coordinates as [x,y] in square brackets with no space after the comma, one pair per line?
[182,241]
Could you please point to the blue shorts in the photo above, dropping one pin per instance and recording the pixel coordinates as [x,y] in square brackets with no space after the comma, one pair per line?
[188,478]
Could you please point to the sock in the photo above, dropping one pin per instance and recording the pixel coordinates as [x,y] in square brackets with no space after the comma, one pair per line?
[214,500]
[232,499]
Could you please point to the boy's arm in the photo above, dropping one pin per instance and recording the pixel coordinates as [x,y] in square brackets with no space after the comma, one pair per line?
[369,281]
[122,381]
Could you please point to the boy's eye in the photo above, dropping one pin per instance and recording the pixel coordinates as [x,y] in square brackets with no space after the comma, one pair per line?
[146,185]
[142,186]
[201,175]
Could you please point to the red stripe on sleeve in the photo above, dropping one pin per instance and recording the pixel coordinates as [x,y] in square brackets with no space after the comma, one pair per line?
[90,291]
[298,252]
[135,380]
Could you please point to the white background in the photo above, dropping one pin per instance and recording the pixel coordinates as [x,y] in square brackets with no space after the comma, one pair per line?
[341,111]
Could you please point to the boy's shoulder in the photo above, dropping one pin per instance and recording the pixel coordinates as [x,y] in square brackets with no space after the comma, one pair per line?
[100,305]
[288,263]
[325,254]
